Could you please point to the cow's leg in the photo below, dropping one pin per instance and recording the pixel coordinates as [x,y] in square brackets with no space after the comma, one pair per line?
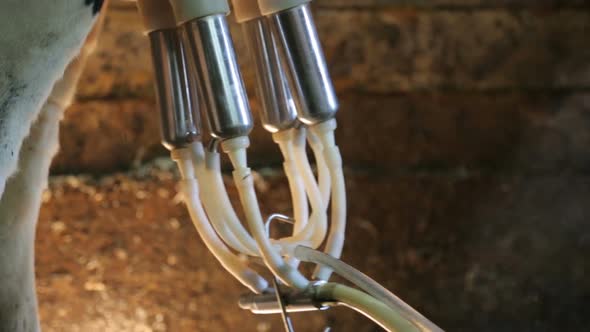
[19,209]
[20,203]
[38,39]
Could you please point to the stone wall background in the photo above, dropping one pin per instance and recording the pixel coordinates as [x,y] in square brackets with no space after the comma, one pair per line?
[443,84]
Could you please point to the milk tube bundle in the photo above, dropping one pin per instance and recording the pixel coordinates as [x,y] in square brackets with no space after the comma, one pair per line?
[197,77]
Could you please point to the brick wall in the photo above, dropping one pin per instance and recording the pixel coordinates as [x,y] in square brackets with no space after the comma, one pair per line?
[446,83]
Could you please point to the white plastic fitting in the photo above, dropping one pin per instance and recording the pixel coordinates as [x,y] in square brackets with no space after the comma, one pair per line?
[269,7]
[188,10]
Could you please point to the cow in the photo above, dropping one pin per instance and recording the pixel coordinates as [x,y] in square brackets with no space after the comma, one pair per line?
[43,48]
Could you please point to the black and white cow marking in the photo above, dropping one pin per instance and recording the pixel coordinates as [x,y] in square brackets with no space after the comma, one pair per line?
[38,40]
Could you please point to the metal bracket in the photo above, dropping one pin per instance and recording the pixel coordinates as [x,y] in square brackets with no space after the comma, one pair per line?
[277,301]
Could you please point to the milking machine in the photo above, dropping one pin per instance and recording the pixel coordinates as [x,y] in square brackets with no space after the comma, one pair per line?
[198,81]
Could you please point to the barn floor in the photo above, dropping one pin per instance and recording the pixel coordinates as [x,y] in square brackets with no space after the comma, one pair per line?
[474,252]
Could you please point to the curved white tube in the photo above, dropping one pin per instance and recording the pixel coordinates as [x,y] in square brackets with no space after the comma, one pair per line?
[284,140]
[317,227]
[215,210]
[335,242]
[299,198]
[322,167]
[229,213]
[211,205]
[232,263]
[375,310]
[217,202]
[368,285]
[236,150]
